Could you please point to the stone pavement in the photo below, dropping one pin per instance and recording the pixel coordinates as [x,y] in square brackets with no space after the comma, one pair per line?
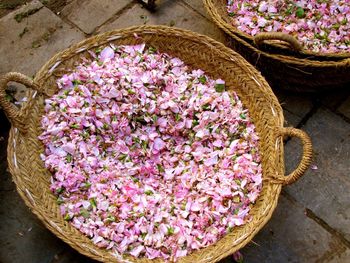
[312,220]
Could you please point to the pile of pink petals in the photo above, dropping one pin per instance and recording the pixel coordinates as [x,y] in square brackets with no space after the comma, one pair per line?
[320,25]
[148,157]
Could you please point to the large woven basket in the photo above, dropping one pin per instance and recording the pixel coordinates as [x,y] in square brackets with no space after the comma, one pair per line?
[281,58]
[33,180]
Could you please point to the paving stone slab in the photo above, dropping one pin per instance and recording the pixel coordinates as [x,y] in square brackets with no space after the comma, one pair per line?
[290,119]
[22,237]
[33,40]
[326,190]
[345,108]
[198,6]
[89,14]
[299,105]
[333,99]
[171,13]
[290,236]
[290,104]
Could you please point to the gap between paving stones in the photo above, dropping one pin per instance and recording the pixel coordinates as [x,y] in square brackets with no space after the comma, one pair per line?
[336,111]
[308,115]
[115,16]
[310,214]
[195,10]
[322,100]
[46,35]
[345,118]
[67,21]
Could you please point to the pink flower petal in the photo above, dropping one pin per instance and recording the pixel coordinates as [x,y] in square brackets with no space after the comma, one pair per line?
[106,53]
[158,144]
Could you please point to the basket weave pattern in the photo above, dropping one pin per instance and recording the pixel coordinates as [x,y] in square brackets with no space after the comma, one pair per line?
[33,180]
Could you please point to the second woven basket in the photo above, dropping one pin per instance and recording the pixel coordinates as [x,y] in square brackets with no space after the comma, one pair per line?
[282,62]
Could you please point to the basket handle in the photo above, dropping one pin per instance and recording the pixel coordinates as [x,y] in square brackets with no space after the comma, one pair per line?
[290,40]
[306,157]
[11,111]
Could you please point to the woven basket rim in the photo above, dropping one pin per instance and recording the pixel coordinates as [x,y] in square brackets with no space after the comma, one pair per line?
[23,138]
[214,10]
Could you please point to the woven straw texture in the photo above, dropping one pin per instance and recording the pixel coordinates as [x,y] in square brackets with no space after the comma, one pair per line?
[281,58]
[198,51]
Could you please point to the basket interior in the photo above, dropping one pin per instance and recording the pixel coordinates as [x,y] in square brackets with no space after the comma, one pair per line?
[33,180]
